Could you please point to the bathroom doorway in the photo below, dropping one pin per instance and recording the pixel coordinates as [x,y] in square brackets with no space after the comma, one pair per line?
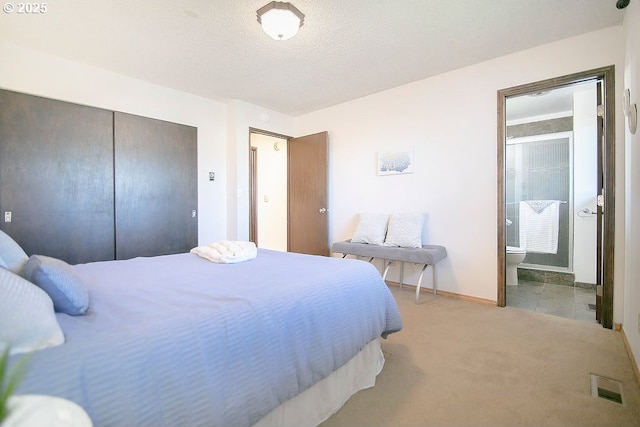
[288,179]
[268,190]
[555,163]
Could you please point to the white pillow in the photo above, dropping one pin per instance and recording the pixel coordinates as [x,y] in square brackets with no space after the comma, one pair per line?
[12,257]
[405,230]
[27,320]
[371,228]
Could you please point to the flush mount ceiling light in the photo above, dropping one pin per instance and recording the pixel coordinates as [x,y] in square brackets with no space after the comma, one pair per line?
[281,20]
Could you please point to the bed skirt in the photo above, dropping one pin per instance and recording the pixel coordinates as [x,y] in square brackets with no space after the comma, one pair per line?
[327,396]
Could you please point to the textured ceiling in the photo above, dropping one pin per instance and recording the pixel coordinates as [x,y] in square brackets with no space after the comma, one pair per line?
[346,48]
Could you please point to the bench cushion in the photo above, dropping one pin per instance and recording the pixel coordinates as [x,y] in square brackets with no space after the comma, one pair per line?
[427,254]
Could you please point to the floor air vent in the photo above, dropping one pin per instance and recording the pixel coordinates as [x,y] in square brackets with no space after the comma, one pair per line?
[606,388]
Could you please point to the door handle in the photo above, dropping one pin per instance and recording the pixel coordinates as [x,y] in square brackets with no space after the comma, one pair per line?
[322,210]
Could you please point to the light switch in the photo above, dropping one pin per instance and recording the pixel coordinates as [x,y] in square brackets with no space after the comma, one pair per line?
[7,217]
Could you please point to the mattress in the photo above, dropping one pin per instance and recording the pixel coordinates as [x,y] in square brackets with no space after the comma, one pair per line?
[177,340]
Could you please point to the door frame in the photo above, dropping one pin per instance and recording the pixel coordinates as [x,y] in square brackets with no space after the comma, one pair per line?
[253,182]
[607,76]
[253,194]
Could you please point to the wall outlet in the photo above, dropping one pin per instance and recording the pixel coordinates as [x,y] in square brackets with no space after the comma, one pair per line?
[7,217]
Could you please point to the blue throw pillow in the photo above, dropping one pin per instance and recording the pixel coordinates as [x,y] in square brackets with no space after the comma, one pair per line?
[60,281]
[12,257]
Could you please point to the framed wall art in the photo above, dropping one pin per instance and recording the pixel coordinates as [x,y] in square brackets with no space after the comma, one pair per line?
[394,162]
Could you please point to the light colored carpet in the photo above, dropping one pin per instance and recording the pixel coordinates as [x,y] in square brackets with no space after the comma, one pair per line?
[461,363]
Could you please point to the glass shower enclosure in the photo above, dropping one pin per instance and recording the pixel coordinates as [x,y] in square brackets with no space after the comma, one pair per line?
[539,182]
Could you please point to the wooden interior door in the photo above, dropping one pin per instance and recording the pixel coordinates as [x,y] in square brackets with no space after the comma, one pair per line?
[56,177]
[156,186]
[308,210]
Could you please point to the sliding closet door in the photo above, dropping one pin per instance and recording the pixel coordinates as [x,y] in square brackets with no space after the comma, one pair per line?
[156,187]
[56,177]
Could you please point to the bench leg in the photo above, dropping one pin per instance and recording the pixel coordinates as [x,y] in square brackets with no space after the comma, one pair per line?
[387,264]
[433,276]
[420,282]
[386,270]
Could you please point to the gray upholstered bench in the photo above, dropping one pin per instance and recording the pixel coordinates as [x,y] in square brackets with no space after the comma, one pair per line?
[427,255]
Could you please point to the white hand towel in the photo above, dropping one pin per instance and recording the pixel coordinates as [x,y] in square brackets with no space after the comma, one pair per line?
[539,227]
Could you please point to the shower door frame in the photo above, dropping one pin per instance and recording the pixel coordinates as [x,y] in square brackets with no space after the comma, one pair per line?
[607,76]
[568,135]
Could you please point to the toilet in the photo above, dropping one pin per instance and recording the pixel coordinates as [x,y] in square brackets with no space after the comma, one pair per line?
[514,257]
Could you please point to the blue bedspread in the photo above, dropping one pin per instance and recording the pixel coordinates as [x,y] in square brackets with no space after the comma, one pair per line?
[179,341]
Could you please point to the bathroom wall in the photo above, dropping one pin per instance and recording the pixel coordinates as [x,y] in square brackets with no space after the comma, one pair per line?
[272,191]
[538,125]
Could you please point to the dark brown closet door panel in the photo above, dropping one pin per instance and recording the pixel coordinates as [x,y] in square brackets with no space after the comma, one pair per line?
[56,177]
[156,187]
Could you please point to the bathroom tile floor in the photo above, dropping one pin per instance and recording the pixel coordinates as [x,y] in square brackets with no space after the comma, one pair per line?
[559,300]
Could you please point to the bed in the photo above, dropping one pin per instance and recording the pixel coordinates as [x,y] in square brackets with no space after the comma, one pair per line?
[176,340]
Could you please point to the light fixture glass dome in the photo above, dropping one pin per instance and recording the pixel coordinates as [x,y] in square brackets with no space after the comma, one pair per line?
[280,20]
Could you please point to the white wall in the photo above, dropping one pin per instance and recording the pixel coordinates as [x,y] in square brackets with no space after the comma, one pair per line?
[450,119]
[631,324]
[585,161]
[272,191]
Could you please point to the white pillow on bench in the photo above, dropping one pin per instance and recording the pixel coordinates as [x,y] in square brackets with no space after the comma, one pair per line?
[405,230]
[371,228]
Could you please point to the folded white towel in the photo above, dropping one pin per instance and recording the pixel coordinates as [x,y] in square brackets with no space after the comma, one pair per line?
[227,251]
